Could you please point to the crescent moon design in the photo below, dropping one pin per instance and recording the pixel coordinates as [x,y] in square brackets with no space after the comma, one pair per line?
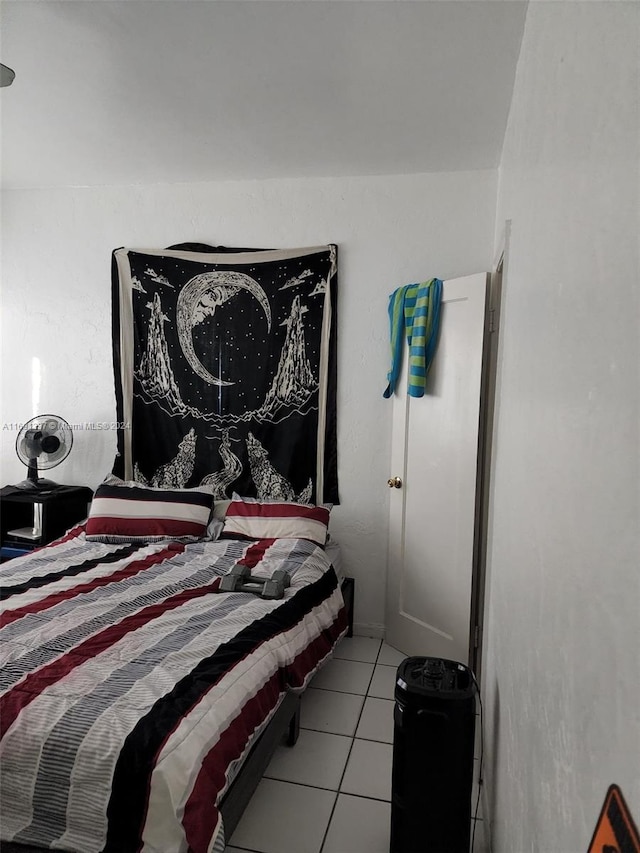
[199,298]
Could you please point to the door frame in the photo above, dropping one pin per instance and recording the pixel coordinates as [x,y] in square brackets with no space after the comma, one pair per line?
[486,437]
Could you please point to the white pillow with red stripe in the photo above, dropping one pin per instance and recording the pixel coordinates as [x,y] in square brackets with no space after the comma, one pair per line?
[128,513]
[256,520]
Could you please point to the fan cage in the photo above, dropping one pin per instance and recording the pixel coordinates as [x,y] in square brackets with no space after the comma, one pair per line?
[29,444]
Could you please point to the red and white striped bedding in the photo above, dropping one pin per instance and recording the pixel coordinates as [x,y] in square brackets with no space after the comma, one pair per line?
[131,690]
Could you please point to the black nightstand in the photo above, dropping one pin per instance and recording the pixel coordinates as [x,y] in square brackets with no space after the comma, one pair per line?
[30,519]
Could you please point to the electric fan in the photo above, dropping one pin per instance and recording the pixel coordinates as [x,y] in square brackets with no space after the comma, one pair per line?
[42,443]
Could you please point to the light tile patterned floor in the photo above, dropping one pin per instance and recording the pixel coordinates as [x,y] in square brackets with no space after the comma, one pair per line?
[331,792]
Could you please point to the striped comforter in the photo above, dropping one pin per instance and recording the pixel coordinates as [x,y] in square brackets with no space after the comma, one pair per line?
[131,691]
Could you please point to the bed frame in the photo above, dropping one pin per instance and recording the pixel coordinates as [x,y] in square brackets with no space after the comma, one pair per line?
[284,726]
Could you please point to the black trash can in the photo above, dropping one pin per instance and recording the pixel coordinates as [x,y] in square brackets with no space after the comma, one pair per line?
[433,740]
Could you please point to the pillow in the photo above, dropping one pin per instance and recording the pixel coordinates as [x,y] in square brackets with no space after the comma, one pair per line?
[220,508]
[214,529]
[130,513]
[253,519]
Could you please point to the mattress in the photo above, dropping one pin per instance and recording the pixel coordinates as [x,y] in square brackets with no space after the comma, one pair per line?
[131,689]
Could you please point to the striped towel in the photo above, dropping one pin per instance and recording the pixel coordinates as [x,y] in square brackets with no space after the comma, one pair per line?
[414,308]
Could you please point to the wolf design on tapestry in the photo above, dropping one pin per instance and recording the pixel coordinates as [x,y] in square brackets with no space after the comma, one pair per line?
[269,484]
[176,473]
[225,369]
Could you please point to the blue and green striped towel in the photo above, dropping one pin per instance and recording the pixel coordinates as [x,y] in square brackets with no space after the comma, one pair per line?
[415,310]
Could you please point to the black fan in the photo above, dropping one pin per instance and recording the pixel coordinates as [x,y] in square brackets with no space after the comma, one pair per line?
[42,443]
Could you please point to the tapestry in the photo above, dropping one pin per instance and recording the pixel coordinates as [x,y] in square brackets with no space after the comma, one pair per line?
[225,370]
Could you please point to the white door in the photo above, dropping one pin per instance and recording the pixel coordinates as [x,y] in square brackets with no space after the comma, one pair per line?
[433,513]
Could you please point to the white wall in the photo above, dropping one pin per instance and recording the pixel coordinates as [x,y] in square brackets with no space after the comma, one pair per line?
[391,231]
[562,671]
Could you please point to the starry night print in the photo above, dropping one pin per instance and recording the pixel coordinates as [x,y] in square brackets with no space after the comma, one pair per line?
[231,354]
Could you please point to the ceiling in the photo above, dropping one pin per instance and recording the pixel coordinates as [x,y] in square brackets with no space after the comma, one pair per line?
[163,91]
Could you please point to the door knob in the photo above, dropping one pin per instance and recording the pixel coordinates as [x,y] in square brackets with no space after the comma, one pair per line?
[394,483]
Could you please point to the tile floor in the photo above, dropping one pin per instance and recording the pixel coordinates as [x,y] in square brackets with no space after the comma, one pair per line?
[331,792]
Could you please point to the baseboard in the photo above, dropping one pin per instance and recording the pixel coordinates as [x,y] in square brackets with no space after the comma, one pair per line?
[368,629]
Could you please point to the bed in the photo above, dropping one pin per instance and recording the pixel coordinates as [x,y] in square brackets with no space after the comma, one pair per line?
[139,706]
